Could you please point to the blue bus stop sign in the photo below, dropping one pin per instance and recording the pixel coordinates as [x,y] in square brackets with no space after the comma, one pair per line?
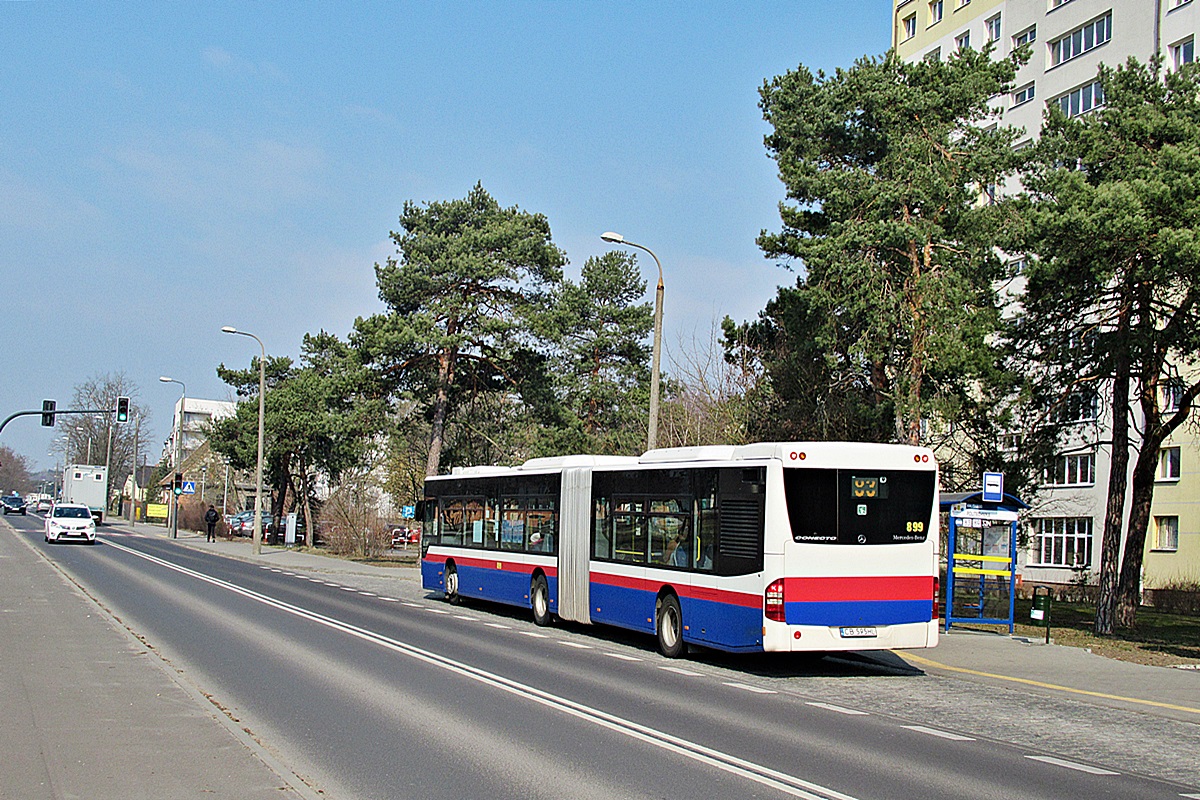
[993,487]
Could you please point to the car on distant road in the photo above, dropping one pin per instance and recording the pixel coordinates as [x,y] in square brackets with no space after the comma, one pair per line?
[13,504]
[402,537]
[242,523]
[67,521]
[44,505]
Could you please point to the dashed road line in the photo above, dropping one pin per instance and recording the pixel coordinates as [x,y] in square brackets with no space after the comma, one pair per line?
[498,625]
[534,635]
[954,737]
[621,656]
[1059,762]
[681,671]
[437,611]
[576,645]
[748,688]
[850,712]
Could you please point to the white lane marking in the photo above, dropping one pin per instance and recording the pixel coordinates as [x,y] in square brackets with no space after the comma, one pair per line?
[411,605]
[680,671]
[392,600]
[534,634]
[334,585]
[622,657]
[347,588]
[1058,762]
[853,712]
[765,776]
[497,625]
[437,611]
[954,737]
[745,687]
[577,645]
[465,617]
[368,594]
[1191,796]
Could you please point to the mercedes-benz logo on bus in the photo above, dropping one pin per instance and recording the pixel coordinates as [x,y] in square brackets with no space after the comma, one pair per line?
[862,538]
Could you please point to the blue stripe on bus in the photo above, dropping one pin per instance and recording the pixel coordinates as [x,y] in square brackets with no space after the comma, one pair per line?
[853,614]
[500,586]
[724,625]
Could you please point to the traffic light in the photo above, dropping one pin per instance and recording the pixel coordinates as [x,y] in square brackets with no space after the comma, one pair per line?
[122,409]
[178,483]
[48,413]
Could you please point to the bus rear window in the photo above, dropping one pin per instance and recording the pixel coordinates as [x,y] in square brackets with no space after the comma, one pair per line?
[859,506]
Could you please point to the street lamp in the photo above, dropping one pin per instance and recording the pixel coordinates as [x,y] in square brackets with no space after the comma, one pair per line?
[262,384]
[652,434]
[178,454]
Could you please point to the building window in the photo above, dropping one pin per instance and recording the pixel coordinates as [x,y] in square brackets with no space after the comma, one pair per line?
[934,55]
[1023,95]
[910,26]
[1082,100]
[1166,533]
[1170,396]
[1168,464]
[1081,40]
[1056,3]
[1076,469]
[1027,36]
[936,9]
[992,26]
[1183,53]
[1017,266]
[1079,406]
[1064,541]
[963,42]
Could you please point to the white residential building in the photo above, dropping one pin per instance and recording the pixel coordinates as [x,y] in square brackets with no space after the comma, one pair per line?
[1070,39]
[196,416]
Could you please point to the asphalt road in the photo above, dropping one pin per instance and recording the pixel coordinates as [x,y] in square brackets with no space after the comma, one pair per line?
[390,693]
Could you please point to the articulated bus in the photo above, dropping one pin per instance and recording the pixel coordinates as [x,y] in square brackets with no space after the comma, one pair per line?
[813,546]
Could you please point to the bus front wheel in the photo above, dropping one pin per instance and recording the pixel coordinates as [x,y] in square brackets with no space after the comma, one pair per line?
[451,584]
[670,627]
[539,598]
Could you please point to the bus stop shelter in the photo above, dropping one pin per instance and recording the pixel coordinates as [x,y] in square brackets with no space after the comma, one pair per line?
[981,558]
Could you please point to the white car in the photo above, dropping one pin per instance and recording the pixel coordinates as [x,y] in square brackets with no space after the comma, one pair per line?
[68,521]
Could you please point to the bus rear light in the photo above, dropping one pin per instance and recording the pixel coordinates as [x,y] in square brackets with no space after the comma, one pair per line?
[937,590]
[796,635]
[773,601]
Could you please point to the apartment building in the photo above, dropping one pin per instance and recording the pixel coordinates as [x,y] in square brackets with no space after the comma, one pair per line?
[1070,39]
[191,417]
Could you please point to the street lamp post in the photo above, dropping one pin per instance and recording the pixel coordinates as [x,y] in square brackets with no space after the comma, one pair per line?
[178,454]
[652,433]
[262,382]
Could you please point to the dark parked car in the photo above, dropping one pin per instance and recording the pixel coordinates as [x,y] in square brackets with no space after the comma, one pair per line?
[13,504]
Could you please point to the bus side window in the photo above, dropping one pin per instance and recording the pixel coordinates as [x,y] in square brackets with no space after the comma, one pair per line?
[629,534]
[601,537]
[706,534]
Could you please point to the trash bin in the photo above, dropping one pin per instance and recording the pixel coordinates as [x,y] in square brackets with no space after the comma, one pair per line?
[1039,612]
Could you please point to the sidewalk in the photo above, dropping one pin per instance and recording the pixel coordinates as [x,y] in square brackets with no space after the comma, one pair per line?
[987,658]
[90,713]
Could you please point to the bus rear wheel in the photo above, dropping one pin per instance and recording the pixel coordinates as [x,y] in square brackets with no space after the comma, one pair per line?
[451,584]
[670,627]
[539,599]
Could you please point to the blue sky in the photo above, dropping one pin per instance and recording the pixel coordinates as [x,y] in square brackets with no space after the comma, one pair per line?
[166,169]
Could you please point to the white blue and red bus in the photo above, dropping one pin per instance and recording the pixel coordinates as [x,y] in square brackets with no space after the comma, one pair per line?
[813,546]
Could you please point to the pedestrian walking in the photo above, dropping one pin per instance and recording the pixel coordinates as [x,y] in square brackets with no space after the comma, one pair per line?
[211,516]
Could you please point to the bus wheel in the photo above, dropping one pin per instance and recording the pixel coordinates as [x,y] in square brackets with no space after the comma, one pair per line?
[539,598]
[670,627]
[451,584]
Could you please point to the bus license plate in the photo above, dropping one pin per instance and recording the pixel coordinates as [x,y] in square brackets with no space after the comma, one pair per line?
[858,633]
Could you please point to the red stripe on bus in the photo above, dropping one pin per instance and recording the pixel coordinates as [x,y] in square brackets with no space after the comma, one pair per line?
[874,587]
[494,564]
[709,594]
